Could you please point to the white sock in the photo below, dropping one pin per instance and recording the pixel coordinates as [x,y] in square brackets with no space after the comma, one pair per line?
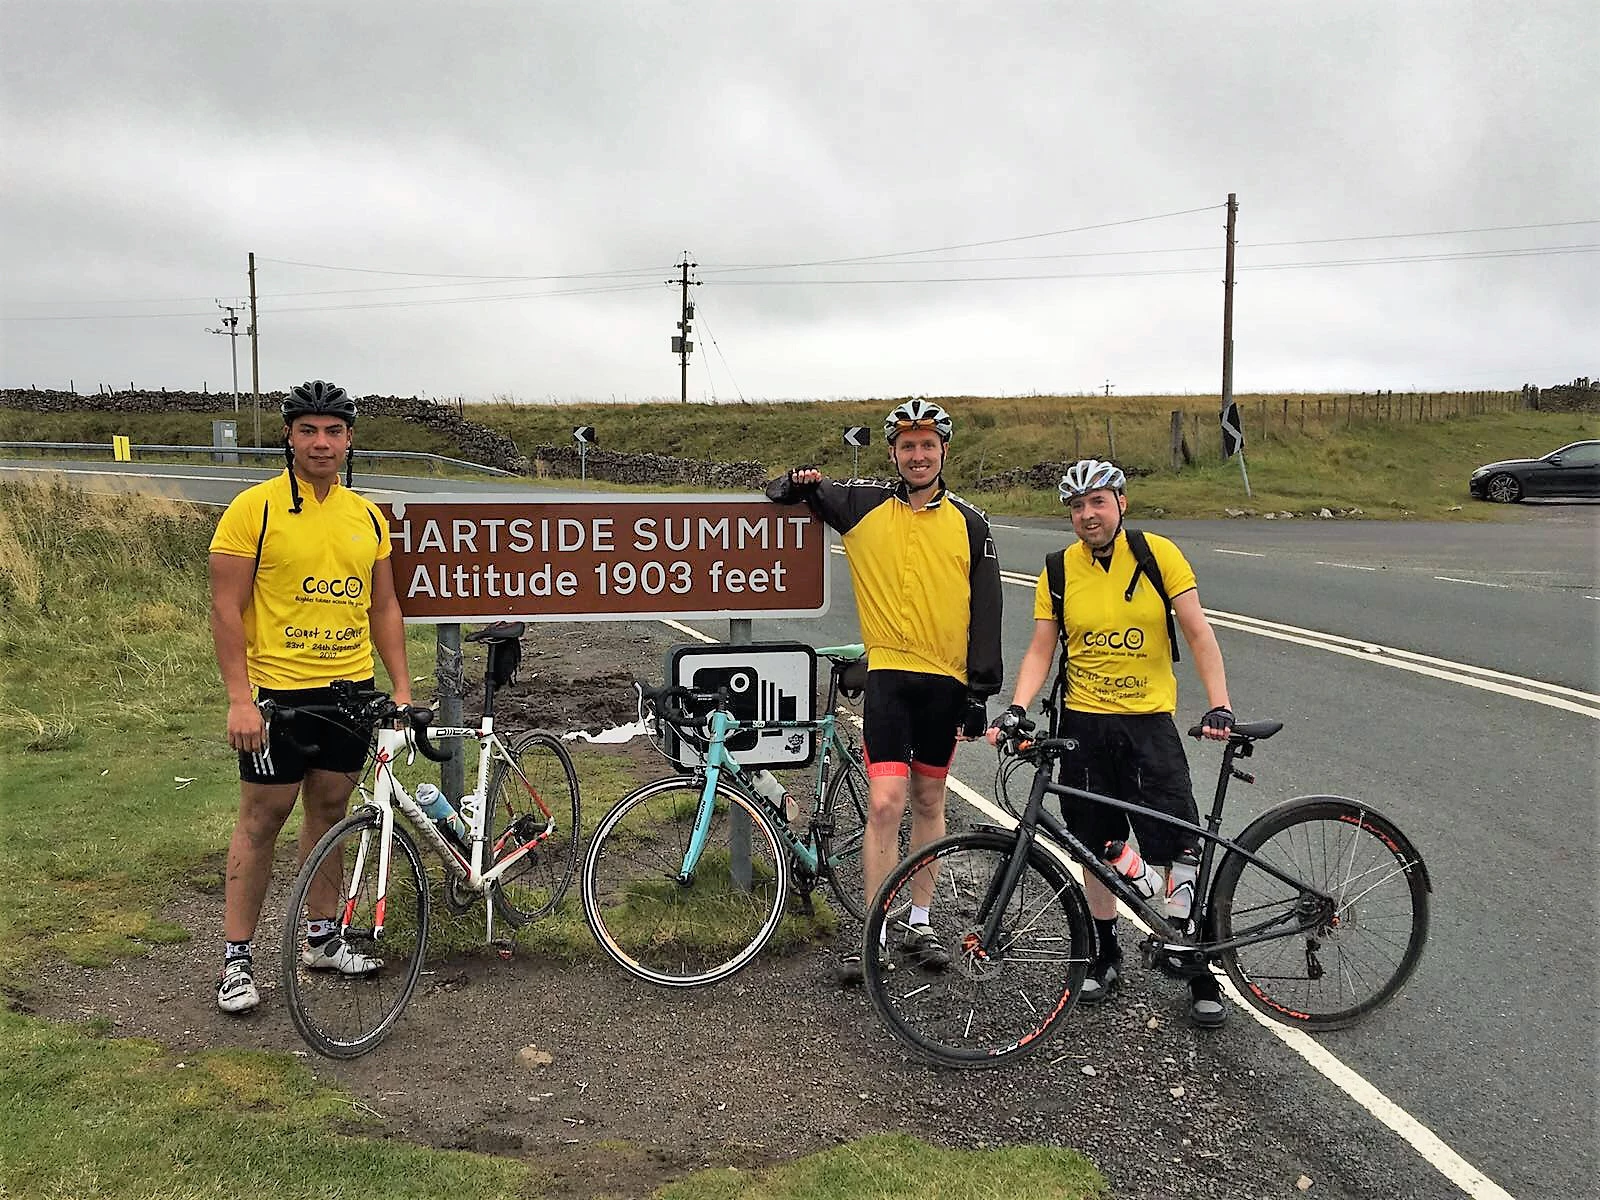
[919,915]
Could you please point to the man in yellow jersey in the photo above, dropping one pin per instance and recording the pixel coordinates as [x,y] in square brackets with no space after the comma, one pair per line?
[927,587]
[301,595]
[1120,697]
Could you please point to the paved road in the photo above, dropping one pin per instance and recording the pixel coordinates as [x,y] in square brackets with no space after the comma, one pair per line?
[1492,1045]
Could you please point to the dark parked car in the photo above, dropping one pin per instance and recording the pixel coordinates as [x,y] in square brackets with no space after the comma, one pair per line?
[1570,471]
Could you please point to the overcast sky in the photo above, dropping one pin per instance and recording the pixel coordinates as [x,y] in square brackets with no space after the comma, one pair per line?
[387,161]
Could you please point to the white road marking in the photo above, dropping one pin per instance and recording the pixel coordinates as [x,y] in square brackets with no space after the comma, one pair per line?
[1346,566]
[997,525]
[1240,553]
[1476,582]
[1352,1083]
[1553,695]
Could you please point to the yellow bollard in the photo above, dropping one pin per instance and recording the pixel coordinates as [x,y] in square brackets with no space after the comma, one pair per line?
[121,448]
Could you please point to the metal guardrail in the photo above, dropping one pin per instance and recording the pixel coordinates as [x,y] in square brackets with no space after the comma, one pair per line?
[268,451]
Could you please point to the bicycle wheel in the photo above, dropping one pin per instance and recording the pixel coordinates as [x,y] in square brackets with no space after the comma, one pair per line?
[1361,952]
[533,798]
[672,929]
[847,801]
[998,1000]
[345,1015]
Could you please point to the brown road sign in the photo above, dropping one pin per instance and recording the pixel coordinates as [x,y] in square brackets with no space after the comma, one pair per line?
[487,558]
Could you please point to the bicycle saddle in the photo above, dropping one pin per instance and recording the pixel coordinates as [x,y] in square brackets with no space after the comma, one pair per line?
[500,631]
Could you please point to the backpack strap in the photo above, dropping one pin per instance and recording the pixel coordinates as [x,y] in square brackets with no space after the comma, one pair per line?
[1055,572]
[261,540]
[1145,564]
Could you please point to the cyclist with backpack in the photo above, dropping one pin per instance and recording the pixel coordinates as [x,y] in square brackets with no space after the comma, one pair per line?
[927,588]
[1114,602]
[302,594]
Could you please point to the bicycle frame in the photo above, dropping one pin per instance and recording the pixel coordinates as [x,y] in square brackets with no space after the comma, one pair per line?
[388,793]
[1036,819]
[718,760]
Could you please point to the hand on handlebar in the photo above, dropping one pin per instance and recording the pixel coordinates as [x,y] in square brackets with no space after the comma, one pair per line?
[1009,726]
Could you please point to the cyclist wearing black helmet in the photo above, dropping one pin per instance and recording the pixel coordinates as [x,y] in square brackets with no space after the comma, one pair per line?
[927,587]
[302,594]
[1107,607]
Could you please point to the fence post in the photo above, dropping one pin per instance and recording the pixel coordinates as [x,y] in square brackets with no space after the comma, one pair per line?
[1077,445]
[1176,424]
[450,673]
[1111,437]
[739,820]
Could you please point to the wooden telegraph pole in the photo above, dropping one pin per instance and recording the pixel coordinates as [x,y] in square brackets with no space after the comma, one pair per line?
[1232,430]
[682,345]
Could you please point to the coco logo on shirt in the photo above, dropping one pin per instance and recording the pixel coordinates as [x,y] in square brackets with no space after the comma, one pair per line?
[348,588]
[1117,639]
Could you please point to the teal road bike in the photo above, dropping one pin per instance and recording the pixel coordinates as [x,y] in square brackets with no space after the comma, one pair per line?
[688,877]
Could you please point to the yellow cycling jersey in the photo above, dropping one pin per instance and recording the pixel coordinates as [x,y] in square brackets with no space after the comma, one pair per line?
[927,581]
[307,621]
[1118,657]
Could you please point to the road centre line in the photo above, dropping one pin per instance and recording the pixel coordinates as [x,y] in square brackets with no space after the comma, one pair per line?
[1240,553]
[1475,582]
[1352,1083]
[1346,566]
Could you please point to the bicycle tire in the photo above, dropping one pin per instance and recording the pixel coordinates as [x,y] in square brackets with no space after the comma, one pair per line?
[1377,932]
[662,928]
[343,1016]
[841,850]
[993,1004]
[543,785]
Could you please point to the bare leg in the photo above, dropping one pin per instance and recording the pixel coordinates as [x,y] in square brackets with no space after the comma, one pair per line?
[927,825]
[1102,904]
[263,808]
[880,842]
[325,802]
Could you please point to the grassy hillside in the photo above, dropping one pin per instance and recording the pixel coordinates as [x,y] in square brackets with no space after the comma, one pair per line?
[1389,456]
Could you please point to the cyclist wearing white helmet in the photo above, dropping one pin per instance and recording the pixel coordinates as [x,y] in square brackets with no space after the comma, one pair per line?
[302,594]
[1111,602]
[927,588]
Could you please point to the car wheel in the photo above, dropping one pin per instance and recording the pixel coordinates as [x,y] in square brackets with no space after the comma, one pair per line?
[1503,489]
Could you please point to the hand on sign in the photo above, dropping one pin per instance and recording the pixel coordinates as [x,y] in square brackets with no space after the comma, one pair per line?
[806,475]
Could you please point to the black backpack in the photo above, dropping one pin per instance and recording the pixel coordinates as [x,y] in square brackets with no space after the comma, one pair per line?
[1055,570]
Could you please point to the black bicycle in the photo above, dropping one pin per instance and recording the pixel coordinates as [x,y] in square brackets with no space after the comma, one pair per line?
[1318,912]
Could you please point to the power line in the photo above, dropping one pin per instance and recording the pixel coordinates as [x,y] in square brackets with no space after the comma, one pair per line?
[1385,260]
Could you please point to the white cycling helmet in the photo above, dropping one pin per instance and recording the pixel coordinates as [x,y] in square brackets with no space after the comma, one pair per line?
[1089,475]
[917,414]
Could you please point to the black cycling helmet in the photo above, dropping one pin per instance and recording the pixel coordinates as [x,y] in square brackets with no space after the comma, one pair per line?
[317,397]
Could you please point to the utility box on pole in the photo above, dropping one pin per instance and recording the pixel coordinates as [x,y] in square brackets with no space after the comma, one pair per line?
[225,437]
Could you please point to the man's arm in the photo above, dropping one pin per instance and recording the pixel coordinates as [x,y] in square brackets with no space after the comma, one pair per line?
[389,630]
[985,670]
[232,581]
[838,505]
[1205,652]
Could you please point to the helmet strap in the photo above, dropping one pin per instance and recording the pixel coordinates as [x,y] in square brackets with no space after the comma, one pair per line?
[294,484]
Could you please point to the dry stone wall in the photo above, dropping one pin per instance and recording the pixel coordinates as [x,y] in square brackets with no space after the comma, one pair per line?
[473,441]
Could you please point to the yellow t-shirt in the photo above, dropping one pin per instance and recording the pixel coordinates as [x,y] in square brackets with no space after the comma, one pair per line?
[1118,657]
[307,621]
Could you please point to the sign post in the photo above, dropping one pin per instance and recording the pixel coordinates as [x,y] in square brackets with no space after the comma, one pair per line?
[856,436]
[584,435]
[1233,440]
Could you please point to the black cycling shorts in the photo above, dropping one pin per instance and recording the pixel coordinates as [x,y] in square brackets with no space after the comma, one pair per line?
[339,747]
[1138,758]
[909,722]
